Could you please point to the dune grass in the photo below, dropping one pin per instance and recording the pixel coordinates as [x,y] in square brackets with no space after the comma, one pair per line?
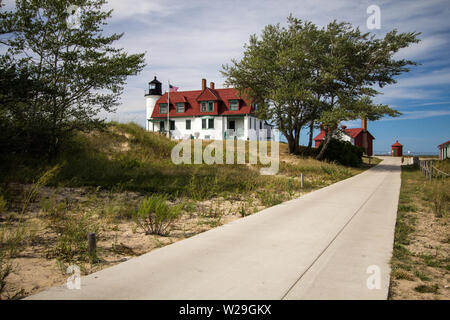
[421,247]
[126,157]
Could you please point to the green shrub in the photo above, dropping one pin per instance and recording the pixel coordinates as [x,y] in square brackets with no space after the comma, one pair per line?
[155,216]
[53,209]
[13,238]
[72,243]
[343,152]
[270,198]
[2,204]
[5,270]
[308,152]
[427,289]
[439,195]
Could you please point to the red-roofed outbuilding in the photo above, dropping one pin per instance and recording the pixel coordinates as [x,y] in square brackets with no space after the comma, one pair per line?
[397,149]
[360,137]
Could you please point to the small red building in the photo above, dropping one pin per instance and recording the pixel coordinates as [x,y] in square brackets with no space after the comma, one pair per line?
[360,137]
[397,149]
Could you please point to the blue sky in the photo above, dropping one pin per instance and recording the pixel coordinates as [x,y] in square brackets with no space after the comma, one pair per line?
[186,41]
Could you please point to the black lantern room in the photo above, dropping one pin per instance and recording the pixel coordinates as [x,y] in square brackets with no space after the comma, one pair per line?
[154,88]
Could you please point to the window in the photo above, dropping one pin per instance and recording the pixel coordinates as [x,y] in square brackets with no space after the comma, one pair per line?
[249,123]
[151,86]
[180,107]
[161,126]
[207,123]
[172,125]
[163,108]
[207,106]
[203,106]
[188,124]
[234,105]
[260,124]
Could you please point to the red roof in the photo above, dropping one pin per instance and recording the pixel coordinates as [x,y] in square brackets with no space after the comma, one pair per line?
[192,100]
[397,144]
[444,144]
[354,132]
[320,136]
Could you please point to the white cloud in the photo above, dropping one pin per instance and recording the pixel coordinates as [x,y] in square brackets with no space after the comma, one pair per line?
[189,40]
[133,9]
[414,115]
[433,78]
[428,47]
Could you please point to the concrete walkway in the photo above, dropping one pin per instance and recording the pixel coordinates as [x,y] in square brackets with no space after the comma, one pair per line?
[318,246]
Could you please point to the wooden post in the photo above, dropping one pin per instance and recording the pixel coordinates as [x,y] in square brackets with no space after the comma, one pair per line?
[431,170]
[301,179]
[92,246]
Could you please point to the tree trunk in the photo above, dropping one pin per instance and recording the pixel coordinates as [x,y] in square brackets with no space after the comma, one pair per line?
[291,144]
[297,141]
[53,148]
[324,146]
[311,132]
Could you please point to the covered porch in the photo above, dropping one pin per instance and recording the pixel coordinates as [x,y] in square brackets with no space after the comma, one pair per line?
[234,127]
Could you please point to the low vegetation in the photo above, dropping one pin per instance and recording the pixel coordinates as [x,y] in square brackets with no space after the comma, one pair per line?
[343,152]
[121,184]
[155,216]
[421,260]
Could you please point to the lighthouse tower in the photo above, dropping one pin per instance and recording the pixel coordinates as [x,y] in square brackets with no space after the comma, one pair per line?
[152,95]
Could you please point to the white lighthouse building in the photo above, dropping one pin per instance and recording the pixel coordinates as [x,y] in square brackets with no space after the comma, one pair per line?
[209,113]
[152,95]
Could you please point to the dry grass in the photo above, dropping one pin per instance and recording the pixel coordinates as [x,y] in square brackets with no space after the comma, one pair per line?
[421,260]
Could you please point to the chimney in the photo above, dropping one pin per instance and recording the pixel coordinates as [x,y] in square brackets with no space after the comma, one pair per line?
[203,84]
[364,124]
[211,85]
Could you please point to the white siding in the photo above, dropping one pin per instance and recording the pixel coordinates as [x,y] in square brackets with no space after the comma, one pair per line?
[220,126]
[150,103]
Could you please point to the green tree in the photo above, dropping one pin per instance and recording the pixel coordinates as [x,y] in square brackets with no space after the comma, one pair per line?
[302,74]
[75,69]
[276,72]
[352,65]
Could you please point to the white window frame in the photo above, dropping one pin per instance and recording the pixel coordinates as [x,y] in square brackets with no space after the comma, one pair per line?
[163,105]
[234,105]
[181,104]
